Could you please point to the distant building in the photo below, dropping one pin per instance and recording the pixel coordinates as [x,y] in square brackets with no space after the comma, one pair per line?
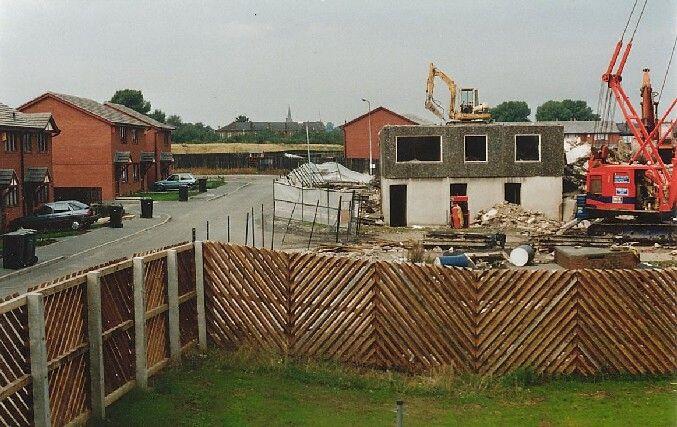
[585,132]
[285,128]
[25,163]
[99,153]
[356,136]
[423,167]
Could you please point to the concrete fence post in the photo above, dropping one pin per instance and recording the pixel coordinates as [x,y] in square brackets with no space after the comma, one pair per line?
[200,290]
[140,322]
[173,299]
[38,347]
[95,338]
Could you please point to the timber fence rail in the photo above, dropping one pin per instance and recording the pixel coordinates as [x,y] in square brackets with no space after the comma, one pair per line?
[72,347]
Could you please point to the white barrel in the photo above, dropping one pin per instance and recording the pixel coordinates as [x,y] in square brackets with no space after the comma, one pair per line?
[522,255]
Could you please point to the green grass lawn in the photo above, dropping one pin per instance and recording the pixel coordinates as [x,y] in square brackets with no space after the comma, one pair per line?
[173,196]
[221,389]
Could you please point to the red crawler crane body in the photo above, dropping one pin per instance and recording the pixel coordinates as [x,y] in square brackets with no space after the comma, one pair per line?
[645,186]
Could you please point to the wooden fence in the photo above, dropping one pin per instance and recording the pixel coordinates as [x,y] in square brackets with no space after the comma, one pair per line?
[417,317]
[71,348]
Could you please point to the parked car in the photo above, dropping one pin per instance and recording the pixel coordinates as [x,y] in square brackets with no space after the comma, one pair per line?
[58,215]
[174,181]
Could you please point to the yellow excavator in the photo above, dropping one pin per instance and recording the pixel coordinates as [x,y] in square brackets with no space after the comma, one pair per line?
[470,109]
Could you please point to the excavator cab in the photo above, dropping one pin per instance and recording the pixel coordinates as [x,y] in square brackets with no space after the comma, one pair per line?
[469,108]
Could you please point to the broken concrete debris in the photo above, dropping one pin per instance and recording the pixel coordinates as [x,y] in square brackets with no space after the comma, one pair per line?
[510,216]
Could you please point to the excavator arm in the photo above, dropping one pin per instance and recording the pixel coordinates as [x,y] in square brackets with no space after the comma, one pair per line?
[430,102]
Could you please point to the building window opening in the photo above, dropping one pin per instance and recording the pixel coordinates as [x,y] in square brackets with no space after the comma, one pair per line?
[458,189]
[27,143]
[475,148]
[136,171]
[123,135]
[42,194]
[42,142]
[596,184]
[513,192]
[10,142]
[527,148]
[418,149]
[12,197]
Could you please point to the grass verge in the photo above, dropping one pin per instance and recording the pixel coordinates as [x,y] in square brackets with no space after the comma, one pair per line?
[248,388]
[173,196]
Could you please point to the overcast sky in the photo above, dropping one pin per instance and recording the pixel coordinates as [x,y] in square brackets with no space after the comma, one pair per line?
[210,61]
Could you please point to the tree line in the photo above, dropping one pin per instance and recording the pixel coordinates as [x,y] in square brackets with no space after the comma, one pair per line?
[199,132]
[567,109]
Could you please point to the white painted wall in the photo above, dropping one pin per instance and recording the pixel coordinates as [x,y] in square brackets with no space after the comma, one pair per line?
[428,199]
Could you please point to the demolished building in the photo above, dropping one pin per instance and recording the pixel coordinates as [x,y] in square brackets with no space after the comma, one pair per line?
[423,167]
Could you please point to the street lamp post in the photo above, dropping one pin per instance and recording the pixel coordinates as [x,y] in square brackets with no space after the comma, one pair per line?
[371,162]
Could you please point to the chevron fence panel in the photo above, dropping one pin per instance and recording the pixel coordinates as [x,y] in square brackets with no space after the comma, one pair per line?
[425,317]
[627,321]
[247,296]
[526,318]
[187,295]
[67,352]
[332,308]
[157,339]
[16,405]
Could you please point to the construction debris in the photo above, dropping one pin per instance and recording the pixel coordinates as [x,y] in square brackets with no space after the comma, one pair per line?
[323,174]
[522,255]
[506,215]
[446,239]
[578,258]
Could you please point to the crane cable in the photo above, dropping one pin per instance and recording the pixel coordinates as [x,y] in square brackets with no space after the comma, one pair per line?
[667,70]
[627,24]
[641,13]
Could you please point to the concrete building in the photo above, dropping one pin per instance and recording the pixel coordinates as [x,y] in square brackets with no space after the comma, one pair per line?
[157,159]
[25,163]
[356,136]
[97,155]
[422,167]
[585,132]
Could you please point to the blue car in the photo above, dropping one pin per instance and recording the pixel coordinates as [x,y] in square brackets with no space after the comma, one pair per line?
[174,181]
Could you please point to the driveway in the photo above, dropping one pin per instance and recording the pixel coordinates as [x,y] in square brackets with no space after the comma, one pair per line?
[172,223]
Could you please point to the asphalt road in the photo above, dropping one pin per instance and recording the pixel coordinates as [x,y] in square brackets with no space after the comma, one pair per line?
[172,223]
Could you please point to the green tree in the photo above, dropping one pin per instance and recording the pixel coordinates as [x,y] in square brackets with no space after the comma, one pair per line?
[158,115]
[174,120]
[131,98]
[511,111]
[565,110]
[241,118]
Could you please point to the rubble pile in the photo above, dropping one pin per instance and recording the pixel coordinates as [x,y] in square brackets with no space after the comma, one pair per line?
[370,206]
[574,175]
[509,216]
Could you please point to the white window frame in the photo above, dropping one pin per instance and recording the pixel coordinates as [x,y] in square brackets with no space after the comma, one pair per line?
[420,161]
[135,136]
[27,143]
[122,131]
[486,149]
[10,143]
[539,147]
[42,143]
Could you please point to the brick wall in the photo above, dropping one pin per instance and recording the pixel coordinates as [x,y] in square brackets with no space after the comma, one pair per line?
[356,133]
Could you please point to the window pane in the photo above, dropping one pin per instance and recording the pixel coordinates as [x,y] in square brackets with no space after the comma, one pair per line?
[527,148]
[475,148]
[419,148]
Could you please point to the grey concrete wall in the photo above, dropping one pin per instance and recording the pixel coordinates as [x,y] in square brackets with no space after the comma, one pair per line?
[500,151]
[428,199]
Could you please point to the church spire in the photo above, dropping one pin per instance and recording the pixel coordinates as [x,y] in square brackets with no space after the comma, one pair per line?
[289,119]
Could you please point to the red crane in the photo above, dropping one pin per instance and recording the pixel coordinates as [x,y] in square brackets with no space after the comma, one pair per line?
[645,186]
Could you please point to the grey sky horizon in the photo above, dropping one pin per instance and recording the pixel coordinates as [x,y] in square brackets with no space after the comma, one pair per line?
[209,61]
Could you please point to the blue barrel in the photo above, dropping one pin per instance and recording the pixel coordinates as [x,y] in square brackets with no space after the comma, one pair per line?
[459,260]
[581,211]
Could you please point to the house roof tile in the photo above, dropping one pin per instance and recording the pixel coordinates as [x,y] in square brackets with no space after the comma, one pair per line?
[100,110]
[9,117]
[142,117]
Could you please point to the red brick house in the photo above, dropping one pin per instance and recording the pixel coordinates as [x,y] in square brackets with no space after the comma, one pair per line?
[98,154]
[157,159]
[356,136]
[25,163]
